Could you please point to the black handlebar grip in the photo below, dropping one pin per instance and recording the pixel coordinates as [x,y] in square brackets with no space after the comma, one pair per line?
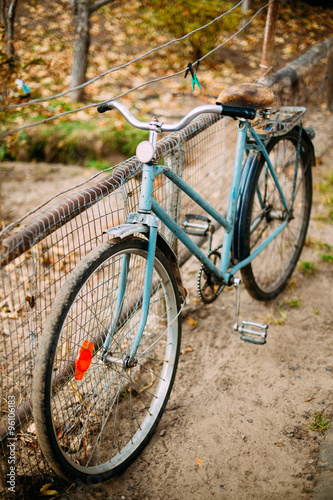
[238,112]
[104,106]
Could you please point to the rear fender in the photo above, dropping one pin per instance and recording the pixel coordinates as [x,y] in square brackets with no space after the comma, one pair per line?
[249,170]
[308,145]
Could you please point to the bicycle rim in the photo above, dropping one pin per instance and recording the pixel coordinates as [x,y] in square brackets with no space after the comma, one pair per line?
[94,428]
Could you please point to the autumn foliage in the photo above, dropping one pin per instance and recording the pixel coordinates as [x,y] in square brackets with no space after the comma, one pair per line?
[121,31]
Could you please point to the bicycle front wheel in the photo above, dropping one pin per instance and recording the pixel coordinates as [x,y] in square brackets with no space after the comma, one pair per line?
[93,428]
[267,275]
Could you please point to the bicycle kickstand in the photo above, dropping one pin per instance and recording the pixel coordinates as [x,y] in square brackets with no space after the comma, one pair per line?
[255,333]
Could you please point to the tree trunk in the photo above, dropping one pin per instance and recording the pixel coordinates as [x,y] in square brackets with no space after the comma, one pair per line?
[8,21]
[245,8]
[3,12]
[81,47]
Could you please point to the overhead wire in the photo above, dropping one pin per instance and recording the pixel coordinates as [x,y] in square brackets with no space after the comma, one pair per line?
[45,120]
[120,95]
[113,70]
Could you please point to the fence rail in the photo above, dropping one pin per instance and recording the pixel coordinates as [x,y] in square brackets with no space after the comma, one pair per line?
[302,79]
[37,255]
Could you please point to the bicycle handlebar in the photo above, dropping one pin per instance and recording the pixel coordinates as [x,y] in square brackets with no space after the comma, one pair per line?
[233,111]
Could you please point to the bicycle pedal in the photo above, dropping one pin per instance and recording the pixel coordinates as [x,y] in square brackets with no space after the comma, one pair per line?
[197,225]
[257,334]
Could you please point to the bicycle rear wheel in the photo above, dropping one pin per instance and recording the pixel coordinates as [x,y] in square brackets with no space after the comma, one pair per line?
[262,212]
[92,429]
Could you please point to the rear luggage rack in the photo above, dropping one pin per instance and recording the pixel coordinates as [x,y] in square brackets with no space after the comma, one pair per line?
[278,121]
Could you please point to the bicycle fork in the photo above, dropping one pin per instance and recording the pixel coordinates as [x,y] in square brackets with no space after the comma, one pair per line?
[129,361]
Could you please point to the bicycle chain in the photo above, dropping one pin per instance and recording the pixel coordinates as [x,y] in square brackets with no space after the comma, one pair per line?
[204,269]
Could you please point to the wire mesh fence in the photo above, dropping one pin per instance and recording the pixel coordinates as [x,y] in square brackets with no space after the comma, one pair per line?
[37,257]
[39,252]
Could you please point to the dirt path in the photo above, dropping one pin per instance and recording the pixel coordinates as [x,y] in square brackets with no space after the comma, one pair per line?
[237,424]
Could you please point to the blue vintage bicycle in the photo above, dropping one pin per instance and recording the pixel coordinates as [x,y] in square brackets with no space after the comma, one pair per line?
[108,355]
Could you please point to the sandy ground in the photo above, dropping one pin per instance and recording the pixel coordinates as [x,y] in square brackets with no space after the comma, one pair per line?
[237,424]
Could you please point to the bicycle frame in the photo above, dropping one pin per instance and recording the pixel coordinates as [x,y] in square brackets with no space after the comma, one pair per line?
[148,204]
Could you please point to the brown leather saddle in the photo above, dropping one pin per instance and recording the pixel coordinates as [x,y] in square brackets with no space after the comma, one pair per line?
[248,95]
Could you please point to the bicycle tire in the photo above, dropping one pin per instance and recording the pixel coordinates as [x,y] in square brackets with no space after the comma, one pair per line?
[268,274]
[92,429]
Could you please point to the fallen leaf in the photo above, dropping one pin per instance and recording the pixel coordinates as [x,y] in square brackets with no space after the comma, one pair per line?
[13,315]
[280,444]
[31,299]
[45,487]
[191,322]
[32,428]
[33,446]
[188,349]
[50,493]
[199,462]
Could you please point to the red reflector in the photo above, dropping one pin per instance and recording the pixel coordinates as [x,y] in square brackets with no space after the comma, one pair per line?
[83,359]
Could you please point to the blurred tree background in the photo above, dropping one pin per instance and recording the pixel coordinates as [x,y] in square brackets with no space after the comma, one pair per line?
[42,56]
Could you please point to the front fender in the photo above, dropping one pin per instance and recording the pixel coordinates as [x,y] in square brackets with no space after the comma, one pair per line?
[127,230]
